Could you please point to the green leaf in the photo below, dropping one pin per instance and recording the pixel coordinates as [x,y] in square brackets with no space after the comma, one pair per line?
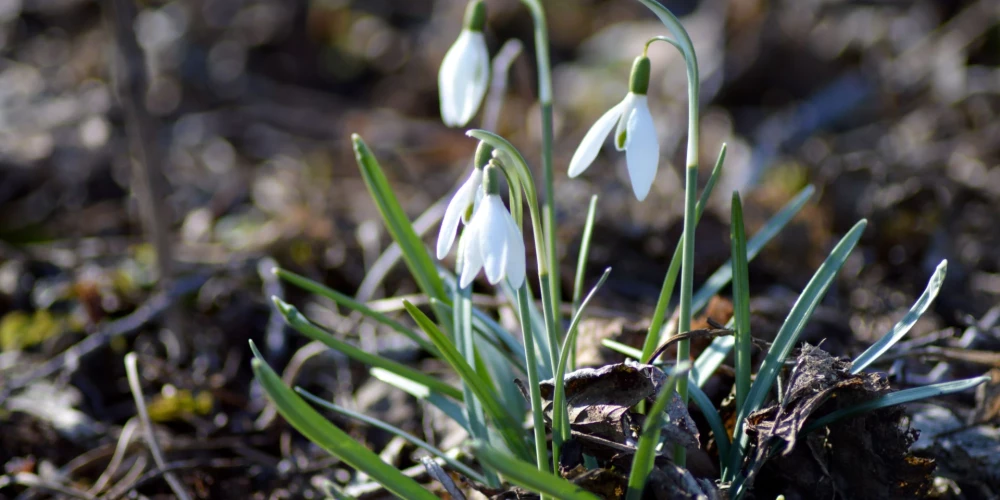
[789,333]
[721,277]
[581,261]
[741,301]
[627,350]
[919,308]
[317,429]
[415,254]
[897,398]
[305,327]
[560,415]
[494,335]
[714,421]
[542,349]
[422,392]
[462,330]
[527,476]
[396,431]
[348,302]
[505,423]
[534,392]
[711,358]
[666,291]
[645,453]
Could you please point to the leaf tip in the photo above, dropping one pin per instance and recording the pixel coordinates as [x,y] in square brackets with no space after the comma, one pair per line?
[257,357]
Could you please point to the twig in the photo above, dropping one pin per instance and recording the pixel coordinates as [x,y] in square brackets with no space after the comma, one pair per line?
[33,481]
[124,440]
[132,372]
[131,86]
[143,315]
[170,468]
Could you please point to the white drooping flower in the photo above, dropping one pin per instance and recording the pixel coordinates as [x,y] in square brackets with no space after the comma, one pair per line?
[462,205]
[458,209]
[635,134]
[491,240]
[465,71]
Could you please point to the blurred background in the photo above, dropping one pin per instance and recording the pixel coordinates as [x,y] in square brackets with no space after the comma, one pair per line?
[240,112]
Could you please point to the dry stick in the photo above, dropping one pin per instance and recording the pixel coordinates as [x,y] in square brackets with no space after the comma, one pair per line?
[34,481]
[132,372]
[124,440]
[147,167]
[143,315]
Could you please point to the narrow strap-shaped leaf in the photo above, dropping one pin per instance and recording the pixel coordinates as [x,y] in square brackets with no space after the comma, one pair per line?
[789,333]
[447,406]
[919,308]
[711,358]
[721,277]
[560,415]
[741,301]
[492,333]
[534,392]
[527,476]
[581,261]
[415,254]
[714,421]
[348,302]
[645,453]
[396,431]
[897,398]
[542,349]
[670,279]
[505,423]
[305,327]
[463,335]
[627,350]
[317,429]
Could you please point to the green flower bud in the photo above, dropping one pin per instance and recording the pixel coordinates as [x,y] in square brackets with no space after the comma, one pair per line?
[484,152]
[638,81]
[475,15]
[491,178]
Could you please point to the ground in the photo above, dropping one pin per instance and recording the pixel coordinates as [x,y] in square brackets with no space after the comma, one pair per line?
[889,109]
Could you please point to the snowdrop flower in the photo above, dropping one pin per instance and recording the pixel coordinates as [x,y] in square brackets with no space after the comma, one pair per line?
[491,240]
[463,203]
[634,134]
[465,70]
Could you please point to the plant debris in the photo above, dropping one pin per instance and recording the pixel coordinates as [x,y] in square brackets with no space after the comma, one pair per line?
[867,456]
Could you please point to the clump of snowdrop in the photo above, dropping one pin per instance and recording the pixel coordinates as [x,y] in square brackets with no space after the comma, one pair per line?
[634,134]
[491,240]
[465,71]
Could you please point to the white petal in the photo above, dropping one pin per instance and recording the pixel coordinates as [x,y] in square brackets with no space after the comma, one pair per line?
[516,254]
[593,140]
[642,151]
[463,78]
[448,74]
[456,210]
[493,242]
[477,77]
[628,104]
[470,257]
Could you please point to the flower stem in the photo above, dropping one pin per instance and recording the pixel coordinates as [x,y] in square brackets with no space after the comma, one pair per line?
[545,102]
[541,450]
[518,168]
[683,41]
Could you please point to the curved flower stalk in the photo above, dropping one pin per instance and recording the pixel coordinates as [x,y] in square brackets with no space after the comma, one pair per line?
[492,241]
[463,204]
[465,71]
[634,133]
